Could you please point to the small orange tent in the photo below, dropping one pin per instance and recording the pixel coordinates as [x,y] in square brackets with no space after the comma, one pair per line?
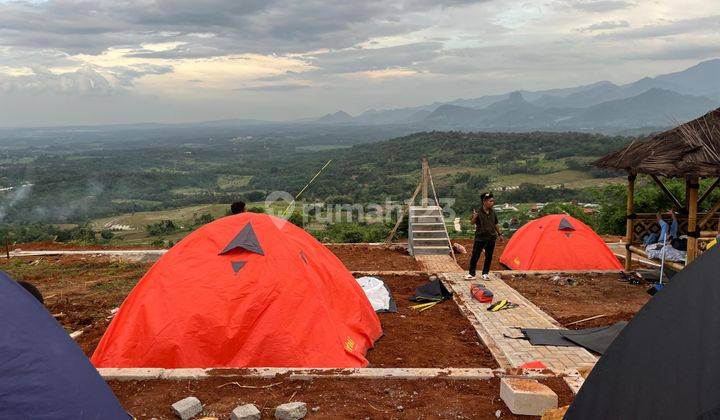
[247,290]
[558,242]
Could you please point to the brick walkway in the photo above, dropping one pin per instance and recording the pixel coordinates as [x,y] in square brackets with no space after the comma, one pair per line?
[493,326]
[437,264]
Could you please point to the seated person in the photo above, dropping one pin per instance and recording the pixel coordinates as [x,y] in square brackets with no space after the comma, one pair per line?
[654,238]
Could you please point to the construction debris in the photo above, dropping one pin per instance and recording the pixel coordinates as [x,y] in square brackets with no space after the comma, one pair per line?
[245,412]
[187,408]
[527,397]
[291,411]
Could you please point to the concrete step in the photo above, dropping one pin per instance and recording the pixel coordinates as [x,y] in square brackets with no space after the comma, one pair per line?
[420,234]
[426,212]
[426,219]
[430,241]
[431,250]
[427,226]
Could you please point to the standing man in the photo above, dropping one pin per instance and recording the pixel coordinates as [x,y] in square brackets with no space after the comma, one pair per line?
[487,230]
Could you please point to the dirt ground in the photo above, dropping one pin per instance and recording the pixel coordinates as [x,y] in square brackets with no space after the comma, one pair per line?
[85,289]
[594,294]
[374,258]
[438,337]
[331,398]
[54,246]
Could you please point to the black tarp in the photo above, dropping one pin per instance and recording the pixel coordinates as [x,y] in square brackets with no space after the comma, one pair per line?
[433,291]
[596,339]
[665,364]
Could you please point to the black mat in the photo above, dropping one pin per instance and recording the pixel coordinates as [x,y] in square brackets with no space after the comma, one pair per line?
[594,339]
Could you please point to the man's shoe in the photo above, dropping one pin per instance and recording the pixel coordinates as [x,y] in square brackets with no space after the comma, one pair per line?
[469,277]
[486,277]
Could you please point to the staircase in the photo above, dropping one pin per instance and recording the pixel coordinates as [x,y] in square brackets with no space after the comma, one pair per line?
[426,231]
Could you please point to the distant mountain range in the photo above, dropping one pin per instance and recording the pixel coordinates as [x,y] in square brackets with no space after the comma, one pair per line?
[655,102]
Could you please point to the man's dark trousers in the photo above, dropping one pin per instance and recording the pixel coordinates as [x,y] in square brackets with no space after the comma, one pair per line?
[488,244]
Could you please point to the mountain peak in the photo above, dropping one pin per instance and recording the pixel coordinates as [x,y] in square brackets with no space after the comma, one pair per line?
[337,117]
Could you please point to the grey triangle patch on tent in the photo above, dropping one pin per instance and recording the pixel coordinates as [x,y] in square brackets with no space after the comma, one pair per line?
[237,265]
[246,240]
[565,225]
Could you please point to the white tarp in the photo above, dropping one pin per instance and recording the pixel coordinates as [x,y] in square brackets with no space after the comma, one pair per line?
[376,292]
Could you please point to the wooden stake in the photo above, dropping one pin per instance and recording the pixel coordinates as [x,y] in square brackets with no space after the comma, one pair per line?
[586,319]
[7,246]
[630,222]
[692,202]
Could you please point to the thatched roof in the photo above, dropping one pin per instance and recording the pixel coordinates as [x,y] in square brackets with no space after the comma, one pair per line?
[691,149]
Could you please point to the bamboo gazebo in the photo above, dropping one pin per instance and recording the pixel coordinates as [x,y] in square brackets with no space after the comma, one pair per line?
[690,151]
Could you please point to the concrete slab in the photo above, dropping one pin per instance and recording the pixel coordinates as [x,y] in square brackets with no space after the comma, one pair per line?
[527,397]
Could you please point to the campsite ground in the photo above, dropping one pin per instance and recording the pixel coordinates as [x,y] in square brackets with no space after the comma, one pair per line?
[84,290]
[573,297]
[333,398]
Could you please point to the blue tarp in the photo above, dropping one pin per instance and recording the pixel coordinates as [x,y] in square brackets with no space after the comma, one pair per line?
[43,373]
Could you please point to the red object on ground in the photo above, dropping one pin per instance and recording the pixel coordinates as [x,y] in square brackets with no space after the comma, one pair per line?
[248,290]
[535,364]
[481,294]
[558,242]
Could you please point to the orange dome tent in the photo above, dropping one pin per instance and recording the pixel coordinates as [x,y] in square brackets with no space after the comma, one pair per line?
[247,290]
[558,242]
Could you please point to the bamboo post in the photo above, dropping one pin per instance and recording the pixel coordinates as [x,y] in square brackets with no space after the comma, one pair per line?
[7,245]
[404,209]
[692,203]
[630,225]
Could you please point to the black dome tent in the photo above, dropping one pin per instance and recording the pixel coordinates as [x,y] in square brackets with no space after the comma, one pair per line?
[665,364]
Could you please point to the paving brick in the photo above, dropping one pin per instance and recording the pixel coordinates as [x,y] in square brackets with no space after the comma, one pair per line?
[527,397]
[245,412]
[187,408]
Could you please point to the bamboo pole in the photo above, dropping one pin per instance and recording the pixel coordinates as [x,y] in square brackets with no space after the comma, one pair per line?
[709,191]
[710,214]
[667,192]
[630,221]
[692,202]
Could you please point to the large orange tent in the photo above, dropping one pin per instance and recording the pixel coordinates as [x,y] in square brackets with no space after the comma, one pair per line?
[244,291]
[558,242]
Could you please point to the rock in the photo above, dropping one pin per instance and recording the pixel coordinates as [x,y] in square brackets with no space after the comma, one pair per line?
[459,249]
[291,411]
[498,413]
[400,408]
[527,397]
[433,277]
[398,248]
[315,409]
[187,408]
[245,412]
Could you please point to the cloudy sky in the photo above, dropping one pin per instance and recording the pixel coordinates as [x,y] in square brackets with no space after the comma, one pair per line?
[118,61]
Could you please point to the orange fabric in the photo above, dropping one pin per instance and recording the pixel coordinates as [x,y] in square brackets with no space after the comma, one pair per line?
[295,306]
[542,245]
